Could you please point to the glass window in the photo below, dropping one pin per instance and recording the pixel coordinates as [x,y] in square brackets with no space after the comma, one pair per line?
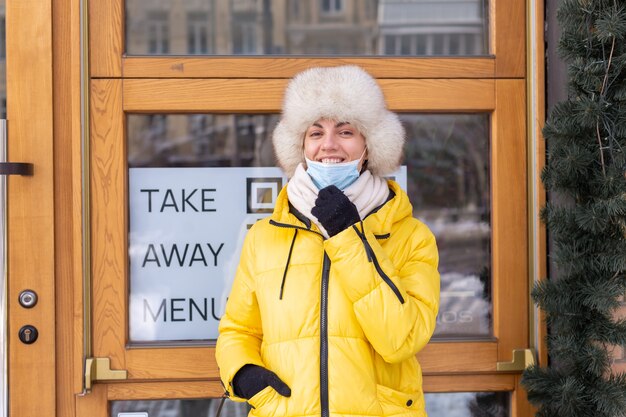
[158,33]
[197,34]
[458,404]
[295,9]
[447,179]
[405,45]
[3,49]
[390,45]
[438,41]
[468,404]
[244,38]
[454,46]
[332,6]
[421,45]
[448,170]
[180,408]
[295,27]
[200,140]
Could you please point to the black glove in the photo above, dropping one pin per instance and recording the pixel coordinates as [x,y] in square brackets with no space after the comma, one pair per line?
[334,210]
[252,379]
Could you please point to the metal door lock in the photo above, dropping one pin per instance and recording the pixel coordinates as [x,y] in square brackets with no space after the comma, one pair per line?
[28,334]
[28,298]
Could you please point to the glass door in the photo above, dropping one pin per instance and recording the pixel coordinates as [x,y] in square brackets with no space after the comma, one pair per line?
[184,97]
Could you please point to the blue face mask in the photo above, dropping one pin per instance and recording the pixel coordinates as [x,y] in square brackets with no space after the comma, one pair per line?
[340,175]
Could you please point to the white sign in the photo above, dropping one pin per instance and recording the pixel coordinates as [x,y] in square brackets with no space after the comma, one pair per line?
[187,226]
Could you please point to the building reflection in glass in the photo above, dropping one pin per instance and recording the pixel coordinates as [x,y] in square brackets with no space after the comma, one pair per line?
[448,169]
[307,27]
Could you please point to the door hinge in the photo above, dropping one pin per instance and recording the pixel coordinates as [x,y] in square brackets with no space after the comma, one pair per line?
[99,369]
[522,359]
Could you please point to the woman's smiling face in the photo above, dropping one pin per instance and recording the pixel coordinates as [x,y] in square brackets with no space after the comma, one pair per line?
[332,142]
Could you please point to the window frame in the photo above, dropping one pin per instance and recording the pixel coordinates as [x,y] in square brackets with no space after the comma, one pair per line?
[112,99]
[507,57]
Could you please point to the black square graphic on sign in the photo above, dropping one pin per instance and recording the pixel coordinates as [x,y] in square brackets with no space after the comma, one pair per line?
[262,194]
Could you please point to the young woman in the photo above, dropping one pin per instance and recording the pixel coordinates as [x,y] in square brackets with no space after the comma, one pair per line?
[338,289]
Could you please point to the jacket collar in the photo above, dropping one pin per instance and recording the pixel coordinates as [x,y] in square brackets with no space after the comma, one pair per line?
[379,221]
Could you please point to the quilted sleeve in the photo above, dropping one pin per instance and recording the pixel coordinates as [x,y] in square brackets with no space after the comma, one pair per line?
[396,308]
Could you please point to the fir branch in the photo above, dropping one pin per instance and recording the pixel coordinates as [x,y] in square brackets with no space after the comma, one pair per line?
[606,76]
[589,230]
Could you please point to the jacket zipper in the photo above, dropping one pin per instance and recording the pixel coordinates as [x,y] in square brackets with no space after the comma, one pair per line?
[324,337]
[292,226]
[323,322]
[372,258]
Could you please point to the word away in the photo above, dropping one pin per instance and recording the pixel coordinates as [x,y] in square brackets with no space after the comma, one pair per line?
[181,255]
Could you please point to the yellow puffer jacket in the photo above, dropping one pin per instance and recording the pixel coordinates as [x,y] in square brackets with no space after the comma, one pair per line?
[339,320]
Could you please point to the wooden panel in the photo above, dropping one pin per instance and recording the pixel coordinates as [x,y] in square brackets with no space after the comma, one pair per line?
[509,218]
[439,95]
[469,383]
[258,95]
[271,67]
[200,95]
[68,205]
[214,389]
[458,357]
[108,228]
[519,401]
[509,37]
[199,362]
[30,206]
[165,390]
[163,363]
[106,45]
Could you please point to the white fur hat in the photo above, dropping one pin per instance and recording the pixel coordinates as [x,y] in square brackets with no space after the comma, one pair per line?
[346,94]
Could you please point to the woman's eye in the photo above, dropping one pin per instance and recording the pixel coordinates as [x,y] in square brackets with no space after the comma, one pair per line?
[346,133]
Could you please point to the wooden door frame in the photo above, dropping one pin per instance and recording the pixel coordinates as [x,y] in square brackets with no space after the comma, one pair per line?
[31,206]
[111,99]
[44,128]
[44,211]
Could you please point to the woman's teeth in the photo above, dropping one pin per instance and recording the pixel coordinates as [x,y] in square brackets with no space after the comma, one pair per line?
[331,160]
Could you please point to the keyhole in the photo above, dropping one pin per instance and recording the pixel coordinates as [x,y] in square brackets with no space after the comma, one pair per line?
[28,334]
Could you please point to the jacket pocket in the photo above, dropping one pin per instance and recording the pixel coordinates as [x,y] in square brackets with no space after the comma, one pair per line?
[264,402]
[395,402]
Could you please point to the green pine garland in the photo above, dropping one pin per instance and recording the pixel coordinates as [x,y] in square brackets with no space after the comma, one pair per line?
[587,164]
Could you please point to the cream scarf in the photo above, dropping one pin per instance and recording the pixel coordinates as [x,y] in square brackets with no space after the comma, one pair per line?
[367,193]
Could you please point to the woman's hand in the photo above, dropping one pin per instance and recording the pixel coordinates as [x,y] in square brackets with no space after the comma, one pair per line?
[252,379]
[334,210]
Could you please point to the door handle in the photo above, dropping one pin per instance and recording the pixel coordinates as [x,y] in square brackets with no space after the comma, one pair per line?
[16,168]
[522,359]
